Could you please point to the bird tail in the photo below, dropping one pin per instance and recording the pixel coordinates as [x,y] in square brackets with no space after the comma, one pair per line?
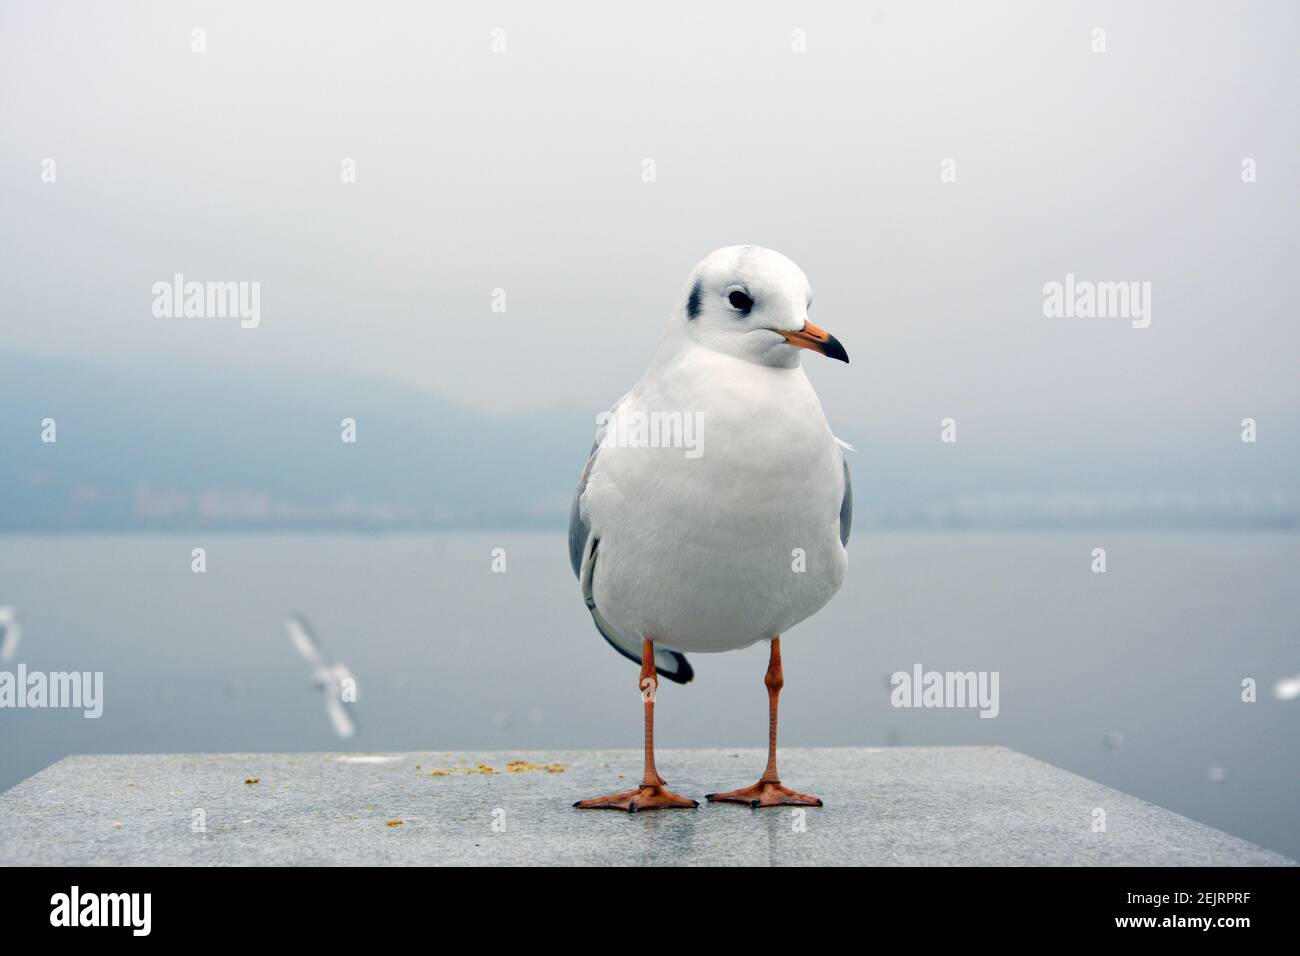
[670,664]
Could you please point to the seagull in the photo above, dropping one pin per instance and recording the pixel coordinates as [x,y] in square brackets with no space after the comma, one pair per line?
[328,677]
[11,632]
[734,536]
[1288,688]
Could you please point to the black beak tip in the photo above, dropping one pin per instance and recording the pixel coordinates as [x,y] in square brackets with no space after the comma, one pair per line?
[835,350]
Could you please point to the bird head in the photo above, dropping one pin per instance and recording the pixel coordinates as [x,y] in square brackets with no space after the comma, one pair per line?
[753,303]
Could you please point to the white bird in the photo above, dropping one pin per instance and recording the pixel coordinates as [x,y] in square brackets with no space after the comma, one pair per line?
[332,678]
[734,532]
[1288,688]
[11,632]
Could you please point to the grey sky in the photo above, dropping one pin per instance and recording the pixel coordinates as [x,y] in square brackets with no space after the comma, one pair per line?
[522,170]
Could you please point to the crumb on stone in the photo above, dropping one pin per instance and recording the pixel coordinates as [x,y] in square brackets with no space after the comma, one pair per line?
[524,766]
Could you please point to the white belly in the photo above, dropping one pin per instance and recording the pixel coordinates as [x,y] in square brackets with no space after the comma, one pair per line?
[732,547]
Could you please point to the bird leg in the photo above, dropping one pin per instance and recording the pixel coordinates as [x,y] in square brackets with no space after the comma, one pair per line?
[769,792]
[651,795]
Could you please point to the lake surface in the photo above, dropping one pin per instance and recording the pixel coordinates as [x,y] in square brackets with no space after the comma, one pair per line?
[1132,677]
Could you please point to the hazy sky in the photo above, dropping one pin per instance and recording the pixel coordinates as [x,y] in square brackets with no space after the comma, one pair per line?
[522,170]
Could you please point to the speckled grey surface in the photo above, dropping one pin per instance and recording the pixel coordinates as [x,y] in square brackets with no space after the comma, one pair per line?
[897,805]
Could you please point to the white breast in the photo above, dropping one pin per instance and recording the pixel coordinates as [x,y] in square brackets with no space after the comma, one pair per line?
[704,553]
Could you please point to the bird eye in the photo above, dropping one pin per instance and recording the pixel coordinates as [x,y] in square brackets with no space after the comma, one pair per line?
[740,302]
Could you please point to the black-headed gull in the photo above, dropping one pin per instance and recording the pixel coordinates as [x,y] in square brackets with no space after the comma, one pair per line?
[715,507]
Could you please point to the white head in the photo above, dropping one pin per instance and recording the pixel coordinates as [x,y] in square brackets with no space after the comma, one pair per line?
[752,303]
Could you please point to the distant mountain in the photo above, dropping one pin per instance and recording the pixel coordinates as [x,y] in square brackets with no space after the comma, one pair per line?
[173,448]
[164,448]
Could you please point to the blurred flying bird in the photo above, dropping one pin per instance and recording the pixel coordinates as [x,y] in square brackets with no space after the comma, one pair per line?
[11,632]
[331,677]
[1288,688]
[715,507]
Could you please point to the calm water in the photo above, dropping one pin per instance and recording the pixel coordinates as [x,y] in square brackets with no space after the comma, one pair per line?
[450,655]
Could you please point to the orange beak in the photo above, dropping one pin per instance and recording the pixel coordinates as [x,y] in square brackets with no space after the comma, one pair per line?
[819,340]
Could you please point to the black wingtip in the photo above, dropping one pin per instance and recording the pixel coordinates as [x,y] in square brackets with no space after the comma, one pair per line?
[685,672]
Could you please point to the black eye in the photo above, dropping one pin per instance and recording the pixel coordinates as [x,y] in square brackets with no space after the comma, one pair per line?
[740,302]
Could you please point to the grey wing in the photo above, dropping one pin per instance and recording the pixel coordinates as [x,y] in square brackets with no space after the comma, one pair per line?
[582,556]
[846,505]
[579,527]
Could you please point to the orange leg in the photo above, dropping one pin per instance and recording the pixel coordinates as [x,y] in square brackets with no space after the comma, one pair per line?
[769,792]
[651,795]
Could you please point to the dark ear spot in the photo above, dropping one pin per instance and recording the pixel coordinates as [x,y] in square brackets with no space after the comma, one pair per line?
[693,303]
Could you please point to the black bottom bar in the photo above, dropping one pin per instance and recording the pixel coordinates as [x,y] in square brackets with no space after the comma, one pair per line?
[301,905]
